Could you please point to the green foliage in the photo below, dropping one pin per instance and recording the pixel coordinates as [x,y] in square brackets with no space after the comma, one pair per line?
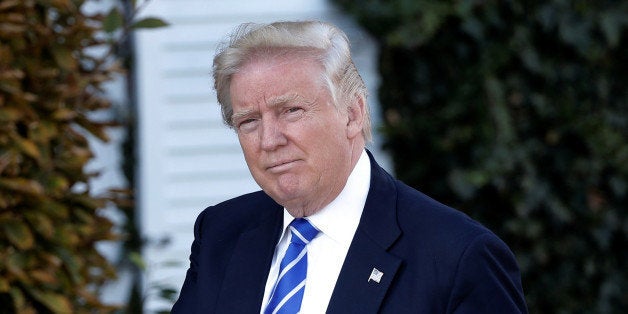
[119,19]
[54,61]
[49,86]
[517,113]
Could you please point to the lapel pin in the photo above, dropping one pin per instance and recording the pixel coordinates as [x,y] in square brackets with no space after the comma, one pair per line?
[376,275]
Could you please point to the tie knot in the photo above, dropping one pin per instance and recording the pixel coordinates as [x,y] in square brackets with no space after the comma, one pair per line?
[302,231]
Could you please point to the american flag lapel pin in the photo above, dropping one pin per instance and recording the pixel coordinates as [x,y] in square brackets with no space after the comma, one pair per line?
[376,275]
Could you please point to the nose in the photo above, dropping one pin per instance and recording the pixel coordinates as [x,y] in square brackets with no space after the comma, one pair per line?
[272,135]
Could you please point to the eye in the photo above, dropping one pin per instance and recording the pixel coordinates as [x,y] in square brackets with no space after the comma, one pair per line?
[245,122]
[292,114]
[247,125]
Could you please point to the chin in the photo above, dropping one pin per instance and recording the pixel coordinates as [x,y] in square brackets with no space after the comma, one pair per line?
[288,199]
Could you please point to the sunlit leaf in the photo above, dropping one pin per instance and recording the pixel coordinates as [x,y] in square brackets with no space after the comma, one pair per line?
[93,128]
[4,285]
[29,148]
[113,21]
[64,58]
[137,259]
[168,293]
[67,235]
[22,185]
[15,264]
[44,131]
[42,223]
[54,302]
[44,277]
[19,234]
[54,209]
[9,114]
[7,4]
[172,263]
[70,261]
[12,29]
[64,114]
[18,298]
[87,201]
[149,22]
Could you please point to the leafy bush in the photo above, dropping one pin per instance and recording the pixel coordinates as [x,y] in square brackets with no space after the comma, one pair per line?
[517,113]
[49,88]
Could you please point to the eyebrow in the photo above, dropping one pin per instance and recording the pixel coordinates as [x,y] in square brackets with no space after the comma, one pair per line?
[279,100]
[236,116]
[274,102]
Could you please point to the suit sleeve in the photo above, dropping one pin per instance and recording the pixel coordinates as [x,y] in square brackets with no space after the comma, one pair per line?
[188,298]
[487,279]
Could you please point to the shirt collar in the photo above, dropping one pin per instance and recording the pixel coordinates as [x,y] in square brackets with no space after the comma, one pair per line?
[339,219]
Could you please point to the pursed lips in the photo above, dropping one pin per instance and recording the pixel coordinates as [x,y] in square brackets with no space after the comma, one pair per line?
[281,165]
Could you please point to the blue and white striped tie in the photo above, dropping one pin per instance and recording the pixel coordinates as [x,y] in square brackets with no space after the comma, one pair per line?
[288,293]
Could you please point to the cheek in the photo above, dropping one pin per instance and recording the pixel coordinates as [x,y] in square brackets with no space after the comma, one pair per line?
[321,133]
[328,140]
[248,143]
[251,155]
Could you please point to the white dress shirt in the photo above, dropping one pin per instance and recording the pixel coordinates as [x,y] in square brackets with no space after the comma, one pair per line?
[326,253]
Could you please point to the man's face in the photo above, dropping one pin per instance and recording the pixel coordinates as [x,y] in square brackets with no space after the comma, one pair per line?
[299,148]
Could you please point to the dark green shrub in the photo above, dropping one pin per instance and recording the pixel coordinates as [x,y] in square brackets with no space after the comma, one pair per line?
[49,222]
[517,113]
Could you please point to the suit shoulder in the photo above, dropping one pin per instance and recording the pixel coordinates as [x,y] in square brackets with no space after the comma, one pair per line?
[430,228]
[425,217]
[246,204]
[238,212]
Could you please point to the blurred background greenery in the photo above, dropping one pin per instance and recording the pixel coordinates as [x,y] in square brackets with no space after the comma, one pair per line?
[516,112]
[50,222]
[55,59]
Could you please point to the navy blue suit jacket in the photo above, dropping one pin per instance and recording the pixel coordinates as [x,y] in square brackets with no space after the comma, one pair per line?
[434,259]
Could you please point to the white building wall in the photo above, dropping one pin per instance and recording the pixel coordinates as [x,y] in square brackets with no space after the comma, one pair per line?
[188,159]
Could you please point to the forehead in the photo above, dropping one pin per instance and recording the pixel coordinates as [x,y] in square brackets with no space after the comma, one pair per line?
[274,57]
[273,76]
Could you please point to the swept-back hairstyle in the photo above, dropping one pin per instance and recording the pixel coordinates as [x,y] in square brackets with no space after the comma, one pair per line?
[324,42]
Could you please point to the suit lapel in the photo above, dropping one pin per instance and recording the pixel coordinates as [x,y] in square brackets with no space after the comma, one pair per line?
[245,277]
[356,290]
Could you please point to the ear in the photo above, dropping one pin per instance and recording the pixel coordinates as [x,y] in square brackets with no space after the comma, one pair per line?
[356,112]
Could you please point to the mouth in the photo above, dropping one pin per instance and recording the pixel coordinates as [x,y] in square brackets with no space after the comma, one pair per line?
[281,166]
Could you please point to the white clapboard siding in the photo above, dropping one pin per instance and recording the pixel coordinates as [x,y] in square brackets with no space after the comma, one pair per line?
[188,159]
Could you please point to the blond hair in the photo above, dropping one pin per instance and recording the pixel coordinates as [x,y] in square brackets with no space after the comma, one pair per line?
[325,42]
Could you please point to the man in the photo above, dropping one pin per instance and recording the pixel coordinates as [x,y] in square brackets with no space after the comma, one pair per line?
[331,232]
